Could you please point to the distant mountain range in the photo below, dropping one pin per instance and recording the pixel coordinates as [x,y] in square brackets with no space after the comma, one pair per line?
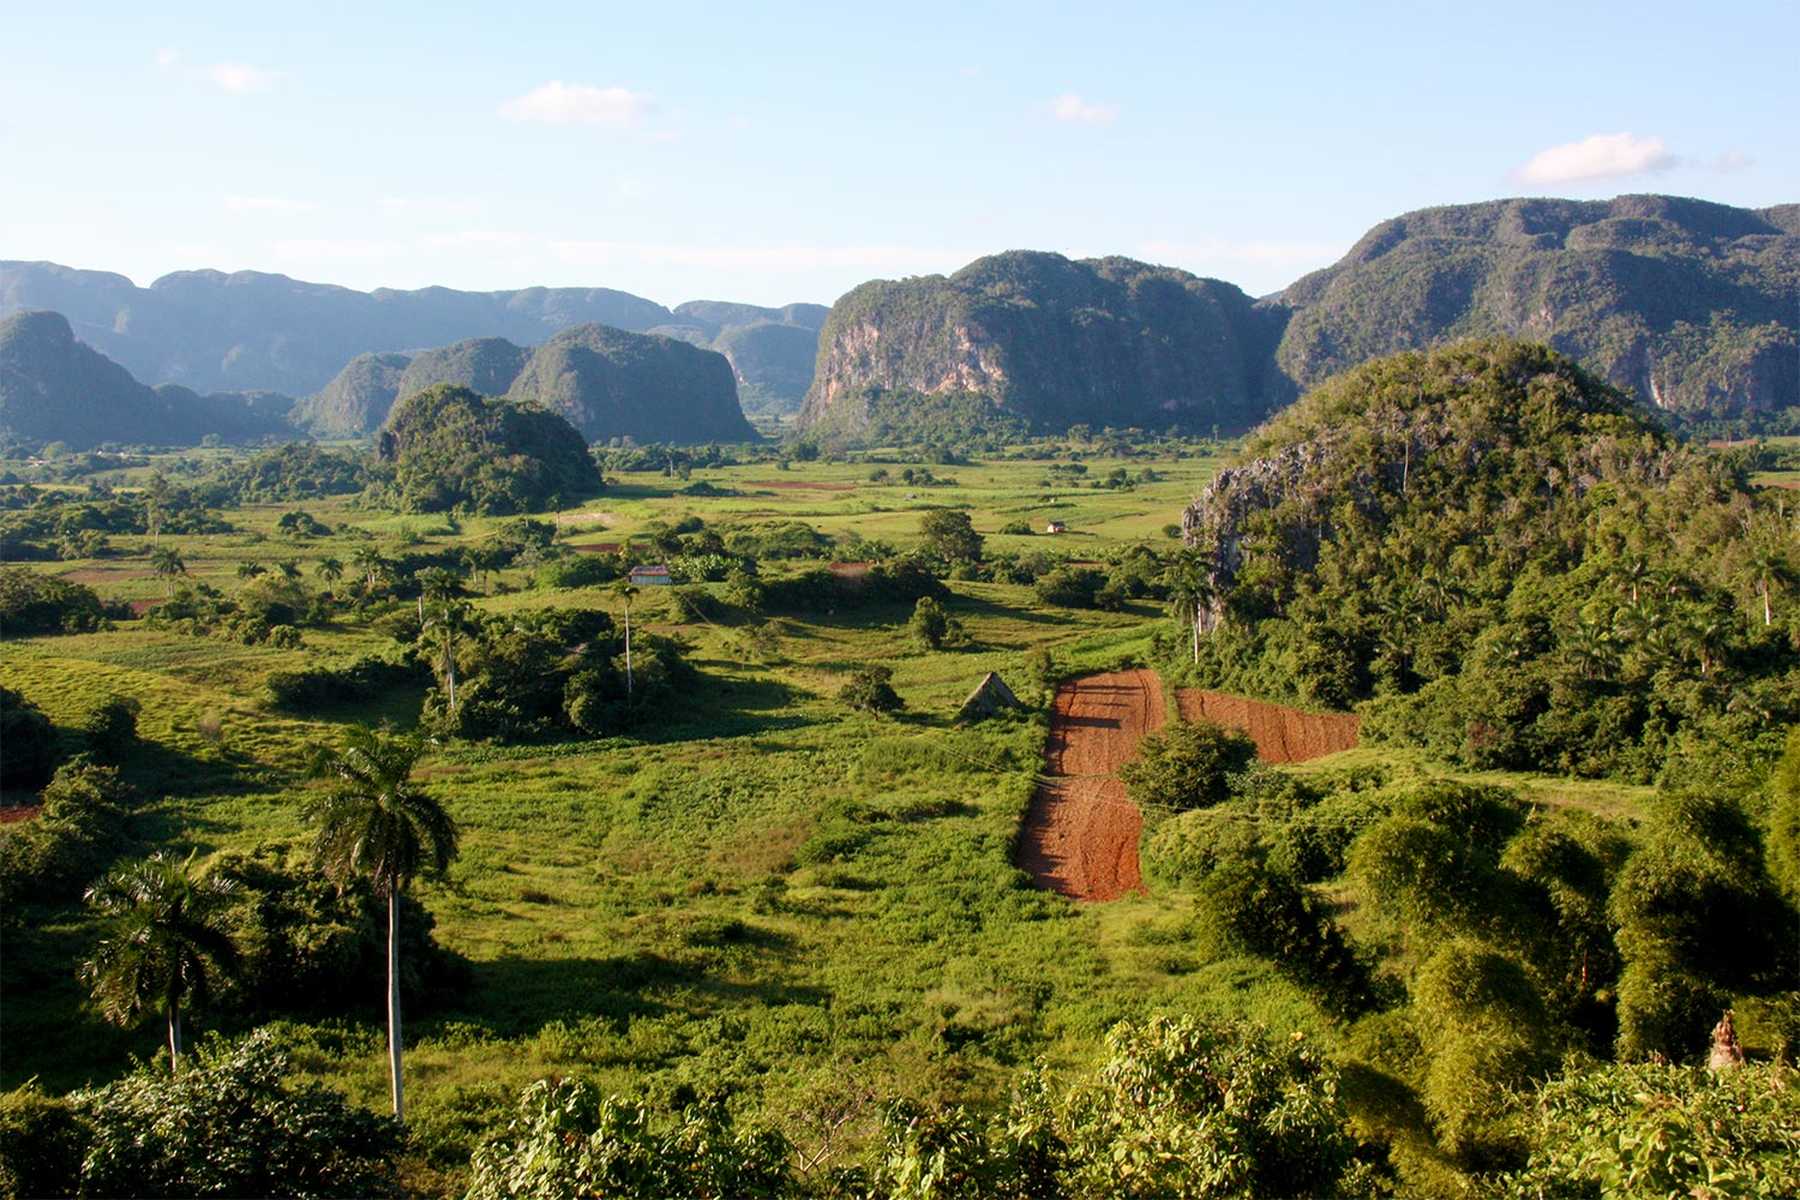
[251,331]
[1693,306]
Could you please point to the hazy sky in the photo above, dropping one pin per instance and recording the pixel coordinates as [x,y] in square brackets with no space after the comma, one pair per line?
[772,153]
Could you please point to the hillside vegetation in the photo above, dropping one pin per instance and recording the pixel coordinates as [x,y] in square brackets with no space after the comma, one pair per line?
[452,448]
[1507,557]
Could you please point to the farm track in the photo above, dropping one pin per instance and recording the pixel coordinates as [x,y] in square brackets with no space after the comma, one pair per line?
[1080,836]
[1281,734]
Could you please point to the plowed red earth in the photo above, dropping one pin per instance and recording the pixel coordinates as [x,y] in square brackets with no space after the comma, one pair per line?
[21,812]
[1281,734]
[1081,835]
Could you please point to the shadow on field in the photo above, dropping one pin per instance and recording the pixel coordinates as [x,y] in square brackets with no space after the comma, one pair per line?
[517,996]
[738,707]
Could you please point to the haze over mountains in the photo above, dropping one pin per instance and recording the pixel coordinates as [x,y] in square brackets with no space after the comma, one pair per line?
[1690,305]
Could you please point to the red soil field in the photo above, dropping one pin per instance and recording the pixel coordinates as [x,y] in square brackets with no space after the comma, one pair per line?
[1281,734]
[19,812]
[1080,837]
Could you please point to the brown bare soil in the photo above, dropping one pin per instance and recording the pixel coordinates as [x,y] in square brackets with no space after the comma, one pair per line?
[1081,836]
[802,485]
[97,575]
[1281,734]
[19,812]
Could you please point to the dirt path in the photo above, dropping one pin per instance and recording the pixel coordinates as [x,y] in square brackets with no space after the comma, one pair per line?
[1281,734]
[1081,836]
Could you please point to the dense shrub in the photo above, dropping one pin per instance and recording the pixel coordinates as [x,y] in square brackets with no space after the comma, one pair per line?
[31,603]
[451,448]
[109,729]
[934,629]
[1189,764]
[230,1125]
[578,570]
[1255,908]
[82,828]
[568,1140]
[1071,587]
[871,690]
[42,1142]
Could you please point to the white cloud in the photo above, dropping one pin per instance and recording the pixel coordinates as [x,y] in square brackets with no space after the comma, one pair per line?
[239,78]
[1732,160]
[1072,108]
[267,204]
[1602,156]
[166,58]
[559,103]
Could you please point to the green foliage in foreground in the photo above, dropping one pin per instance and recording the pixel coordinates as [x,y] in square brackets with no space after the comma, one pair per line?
[31,603]
[1662,1130]
[228,1124]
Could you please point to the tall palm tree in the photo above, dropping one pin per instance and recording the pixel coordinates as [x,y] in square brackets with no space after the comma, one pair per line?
[329,570]
[627,593]
[1635,571]
[288,569]
[1190,596]
[450,618]
[1769,567]
[249,569]
[1591,648]
[373,823]
[166,561]
[165,943]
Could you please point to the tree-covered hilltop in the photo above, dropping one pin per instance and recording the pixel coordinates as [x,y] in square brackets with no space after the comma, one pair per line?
[356,401]
[1688,304]
[1056,342]
[54,388]
[1504,553]
[452,448]
[611,383]
[485,365]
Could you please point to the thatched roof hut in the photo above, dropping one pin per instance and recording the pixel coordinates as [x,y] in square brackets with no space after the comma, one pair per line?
[990,696]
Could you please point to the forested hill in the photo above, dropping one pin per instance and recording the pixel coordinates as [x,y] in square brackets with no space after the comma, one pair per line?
[251,331]
[1688,304]
[610,383]
[55,389]
[1053,341]
[1504,554]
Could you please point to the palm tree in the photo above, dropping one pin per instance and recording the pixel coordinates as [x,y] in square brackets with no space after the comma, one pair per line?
[330,570]
[1591,648]
[1769,567]
[249,569]
[288,570]
[1191,595]
[369,564]
[374,823]
[452,618]
[156,503]
[166,562]
[1635,571]
[627,593]
[165,943]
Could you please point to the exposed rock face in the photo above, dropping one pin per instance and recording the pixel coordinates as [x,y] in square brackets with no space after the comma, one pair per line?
[610,383]
[1218,521]
[55,389]
[357,401]
[1102,341]
[1687,304]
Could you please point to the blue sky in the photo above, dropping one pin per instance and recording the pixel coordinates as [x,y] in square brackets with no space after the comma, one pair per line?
[788,152]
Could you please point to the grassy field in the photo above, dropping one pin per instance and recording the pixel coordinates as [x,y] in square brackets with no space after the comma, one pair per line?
[766,893]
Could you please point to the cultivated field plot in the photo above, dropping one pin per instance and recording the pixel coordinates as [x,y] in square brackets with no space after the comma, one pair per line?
[1282,734]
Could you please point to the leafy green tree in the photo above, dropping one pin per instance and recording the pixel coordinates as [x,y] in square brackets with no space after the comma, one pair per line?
[871,690]
[933,628]
[165,944]
[230,1125]
[373,822]
[1645,1129]
[568,1140]
[1186,765]
[949,535]
[110,728]
[30,741]
[1783,836]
